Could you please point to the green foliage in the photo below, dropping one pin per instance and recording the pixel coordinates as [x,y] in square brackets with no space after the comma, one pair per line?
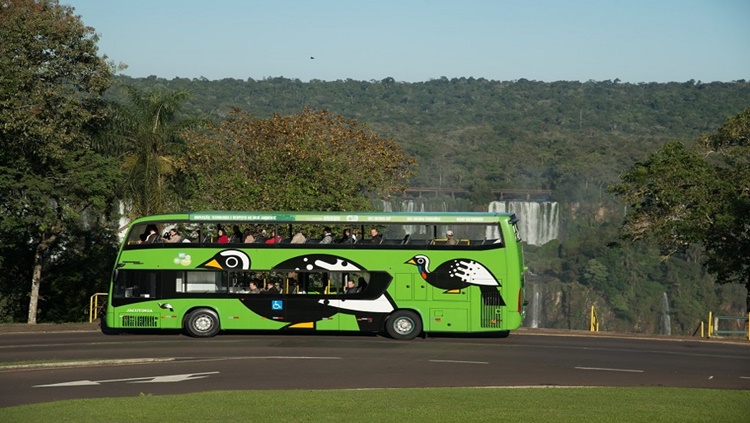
[680,198]
[308,161]
[145,133]
[670,197]
[728,241]
[50,97]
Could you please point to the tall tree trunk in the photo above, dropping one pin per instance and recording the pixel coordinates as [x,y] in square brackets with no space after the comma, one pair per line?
[36,276]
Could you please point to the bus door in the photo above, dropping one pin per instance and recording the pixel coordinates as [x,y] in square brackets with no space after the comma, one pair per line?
[409,286]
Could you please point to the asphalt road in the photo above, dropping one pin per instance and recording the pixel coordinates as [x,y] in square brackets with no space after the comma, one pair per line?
[130,365]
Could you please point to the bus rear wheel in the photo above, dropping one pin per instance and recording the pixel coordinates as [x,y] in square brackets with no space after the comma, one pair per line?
[202,323]
[403,325]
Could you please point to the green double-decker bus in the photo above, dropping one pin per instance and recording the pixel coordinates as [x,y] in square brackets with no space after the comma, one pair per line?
[401,274]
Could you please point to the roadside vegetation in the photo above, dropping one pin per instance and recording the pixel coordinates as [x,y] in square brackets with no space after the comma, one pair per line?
[408,405]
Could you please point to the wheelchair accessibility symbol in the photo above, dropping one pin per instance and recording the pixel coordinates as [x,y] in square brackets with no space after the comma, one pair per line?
[277,305]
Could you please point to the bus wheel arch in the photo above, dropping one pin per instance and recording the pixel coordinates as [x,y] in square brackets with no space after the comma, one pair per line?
[201,323]
[403,325]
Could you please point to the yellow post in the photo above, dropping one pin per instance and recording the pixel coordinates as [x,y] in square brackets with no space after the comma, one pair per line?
[94,306]
[593,321]
[710,325]
[748,325]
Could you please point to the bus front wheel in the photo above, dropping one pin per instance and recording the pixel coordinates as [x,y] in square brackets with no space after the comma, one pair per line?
[202,323]
[403,325]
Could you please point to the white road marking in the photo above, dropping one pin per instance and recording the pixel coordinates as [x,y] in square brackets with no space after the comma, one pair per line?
[459,361]
[149,379]
[609,370]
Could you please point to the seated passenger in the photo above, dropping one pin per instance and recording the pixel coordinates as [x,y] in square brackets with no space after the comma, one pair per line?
[361,284]
[153,234]
[347,237]
[237,236]
[173,236]
[249,238]
[377,237]
[274,239]
[270,289]
[253,287]
[327,236]
[298,238]
[350,288]
[221,236]
[450,239]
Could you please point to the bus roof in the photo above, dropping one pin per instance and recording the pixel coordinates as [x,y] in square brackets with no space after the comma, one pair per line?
[332,217]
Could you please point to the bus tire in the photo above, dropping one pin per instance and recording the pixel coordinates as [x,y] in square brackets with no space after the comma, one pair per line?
[202,323]
[403,325]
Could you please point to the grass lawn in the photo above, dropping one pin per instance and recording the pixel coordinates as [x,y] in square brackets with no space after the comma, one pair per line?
[406,405]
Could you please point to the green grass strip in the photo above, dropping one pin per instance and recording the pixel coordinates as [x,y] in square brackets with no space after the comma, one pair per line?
[407,405]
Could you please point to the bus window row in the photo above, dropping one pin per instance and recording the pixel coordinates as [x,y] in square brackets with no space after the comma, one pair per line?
[139,285]
[386,235]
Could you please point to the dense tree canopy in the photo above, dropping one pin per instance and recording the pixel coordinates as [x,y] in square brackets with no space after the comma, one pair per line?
[51,83]
[312,160]
[680,197]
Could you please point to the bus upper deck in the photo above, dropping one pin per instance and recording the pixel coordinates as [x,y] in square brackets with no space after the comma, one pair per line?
[363,230]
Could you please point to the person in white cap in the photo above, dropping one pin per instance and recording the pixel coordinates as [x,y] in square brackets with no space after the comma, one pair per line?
[451,240]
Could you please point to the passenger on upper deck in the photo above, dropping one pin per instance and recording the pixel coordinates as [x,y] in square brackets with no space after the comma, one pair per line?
[327,236]
[249,238]
[174,236]
[377,238]
[299,238]
[153,234]
[274,239]
[450,240]
[237,236]
[221,236]
[347,237]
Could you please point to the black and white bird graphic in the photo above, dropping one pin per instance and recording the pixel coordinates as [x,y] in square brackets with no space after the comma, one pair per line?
[228,260]
[318,262]
[456,274]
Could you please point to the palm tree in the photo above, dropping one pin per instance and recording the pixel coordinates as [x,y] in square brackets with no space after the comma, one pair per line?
[147,138]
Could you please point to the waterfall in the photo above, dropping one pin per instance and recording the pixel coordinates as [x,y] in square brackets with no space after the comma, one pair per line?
[538,221]
[666,320]
[534,308]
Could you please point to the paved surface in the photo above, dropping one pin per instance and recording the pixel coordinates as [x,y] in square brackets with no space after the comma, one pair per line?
[49,327]
[85,327]
[79,361]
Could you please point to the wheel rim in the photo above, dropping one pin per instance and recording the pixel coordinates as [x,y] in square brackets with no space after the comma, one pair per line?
[203,323]
[403,325]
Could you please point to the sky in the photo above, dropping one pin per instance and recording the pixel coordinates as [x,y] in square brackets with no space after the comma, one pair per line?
[419,40]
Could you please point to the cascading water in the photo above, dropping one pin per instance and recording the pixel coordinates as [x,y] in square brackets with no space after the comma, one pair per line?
[538,221]
[666,319]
